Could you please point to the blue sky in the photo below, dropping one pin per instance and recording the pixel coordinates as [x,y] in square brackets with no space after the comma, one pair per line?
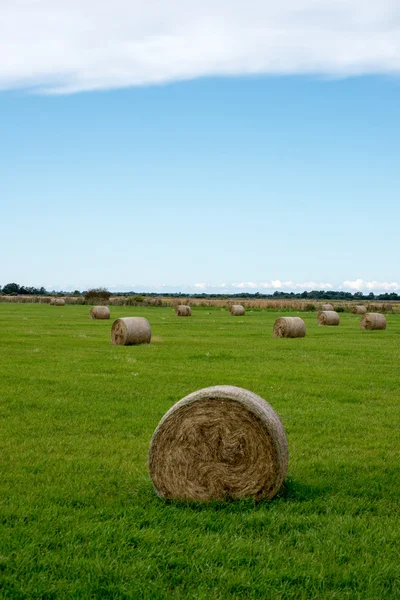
[250,182]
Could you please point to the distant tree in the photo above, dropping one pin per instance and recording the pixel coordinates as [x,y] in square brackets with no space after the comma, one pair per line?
[96,294]
[11,288]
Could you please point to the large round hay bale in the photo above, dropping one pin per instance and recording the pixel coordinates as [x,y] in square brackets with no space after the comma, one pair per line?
[237,310]
[328,317]
[59,302]
[182,310]
[327,307]
[99,312]
[290,327]
[373,321]
[131,330]
[359,310]
[217,443]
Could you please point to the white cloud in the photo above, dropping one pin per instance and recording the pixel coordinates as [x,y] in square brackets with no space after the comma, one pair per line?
[359,285]
[276,284]
[65,46]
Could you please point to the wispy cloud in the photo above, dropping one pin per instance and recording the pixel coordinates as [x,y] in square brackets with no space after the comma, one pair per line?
[359,285]
[66,46]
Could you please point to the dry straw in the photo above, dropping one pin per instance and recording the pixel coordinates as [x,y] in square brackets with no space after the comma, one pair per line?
[237,310]
[131,330]
[359,310]
[100,312]
[182,310]
[57,302]
[373,321]
[290,327]
[217,443]
[328,317]
[327,307]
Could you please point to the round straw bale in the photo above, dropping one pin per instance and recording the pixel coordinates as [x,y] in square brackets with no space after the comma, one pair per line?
[327,307]
[182,310]
[237,310]
[290,327]
[99,312]
[359,310]
[217,443]
[373,321]
[328,317]
[59,302]
[131,330]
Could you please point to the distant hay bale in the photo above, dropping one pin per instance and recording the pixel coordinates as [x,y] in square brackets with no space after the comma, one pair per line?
[328,317]
[131,330]
[373,321]
[100,312]
[182,310]
[237,310]
[359,310]
[327,307]
[217,443]
[58,302]
[290,327]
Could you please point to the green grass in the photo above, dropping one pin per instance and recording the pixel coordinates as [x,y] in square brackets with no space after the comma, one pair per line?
[79,517]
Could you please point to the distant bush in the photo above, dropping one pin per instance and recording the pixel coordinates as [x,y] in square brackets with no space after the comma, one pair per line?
[340,309]
[97,295]
[310,308]
[138,298]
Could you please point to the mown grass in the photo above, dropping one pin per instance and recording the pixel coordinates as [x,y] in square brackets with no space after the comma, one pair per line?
[79,517]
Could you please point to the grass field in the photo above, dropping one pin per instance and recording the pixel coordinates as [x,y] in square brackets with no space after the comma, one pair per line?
[79,517]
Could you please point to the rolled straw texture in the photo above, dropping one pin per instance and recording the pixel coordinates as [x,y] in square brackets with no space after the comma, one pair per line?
[131,330]
[99,312]
[182,310]
[290,327]
[217,443]
[328,317]
[327,307]
[237,310]
[373,321]
[59,302]
[359,310]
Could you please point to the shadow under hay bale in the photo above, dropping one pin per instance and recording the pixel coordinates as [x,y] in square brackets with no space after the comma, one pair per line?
[359,310]
[129,331]
[289,327]
[372,321]
[182,310]
[218,443]
[328,317]
[237,310]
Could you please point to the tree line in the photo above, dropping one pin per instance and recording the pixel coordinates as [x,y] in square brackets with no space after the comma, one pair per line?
[14,289]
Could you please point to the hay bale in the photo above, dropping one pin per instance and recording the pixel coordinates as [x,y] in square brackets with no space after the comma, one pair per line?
[217,443]
[131,330]
[182,310]
[328,317]
[237,310]
[373,321]
[99,312]
[290,327]
[359,310]
[58,302]
[327,307]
